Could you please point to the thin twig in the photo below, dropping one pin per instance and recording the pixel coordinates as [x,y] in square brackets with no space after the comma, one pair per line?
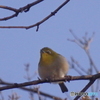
[17,11]
[74,62]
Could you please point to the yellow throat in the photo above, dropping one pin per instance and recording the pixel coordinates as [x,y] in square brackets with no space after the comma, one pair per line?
[48,58]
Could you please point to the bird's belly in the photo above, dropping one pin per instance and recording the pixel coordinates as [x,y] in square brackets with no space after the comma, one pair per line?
[49,73]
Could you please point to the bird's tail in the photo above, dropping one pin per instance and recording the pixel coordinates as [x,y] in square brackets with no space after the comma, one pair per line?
[63,87]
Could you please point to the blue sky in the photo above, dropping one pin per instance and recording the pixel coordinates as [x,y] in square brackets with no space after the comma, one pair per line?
[20,46]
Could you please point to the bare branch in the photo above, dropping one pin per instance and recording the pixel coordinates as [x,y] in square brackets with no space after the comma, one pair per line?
[13,96]
[33,90]
[66,78]
[85,88]
[91,61]
[85,45]
[72,65]
[17,11]
[40,22]
[74,62]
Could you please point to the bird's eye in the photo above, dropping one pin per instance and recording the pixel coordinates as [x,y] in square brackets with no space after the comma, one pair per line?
[48,51]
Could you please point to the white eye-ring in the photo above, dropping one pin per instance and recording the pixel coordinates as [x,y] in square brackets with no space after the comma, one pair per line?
[48,51]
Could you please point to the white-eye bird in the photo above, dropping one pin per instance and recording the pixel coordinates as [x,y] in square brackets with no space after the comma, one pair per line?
[52,65]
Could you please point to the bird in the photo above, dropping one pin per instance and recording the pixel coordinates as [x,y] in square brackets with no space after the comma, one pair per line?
[53,65]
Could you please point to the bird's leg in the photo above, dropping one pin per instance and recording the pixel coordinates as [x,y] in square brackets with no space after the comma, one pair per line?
[68,78]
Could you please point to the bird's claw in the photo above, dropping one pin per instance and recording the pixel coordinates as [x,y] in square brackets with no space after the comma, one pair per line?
[68,77]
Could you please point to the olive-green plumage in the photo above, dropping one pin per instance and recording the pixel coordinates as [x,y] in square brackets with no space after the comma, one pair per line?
[52,65]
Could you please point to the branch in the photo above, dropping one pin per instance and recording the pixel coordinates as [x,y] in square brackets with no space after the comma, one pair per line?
[40,22]
[34,90]
[84,43]
[85,88]
[20,10]
[73,63]
[66,78]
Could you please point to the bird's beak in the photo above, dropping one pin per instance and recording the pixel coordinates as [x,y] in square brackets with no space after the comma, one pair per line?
[42,51]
